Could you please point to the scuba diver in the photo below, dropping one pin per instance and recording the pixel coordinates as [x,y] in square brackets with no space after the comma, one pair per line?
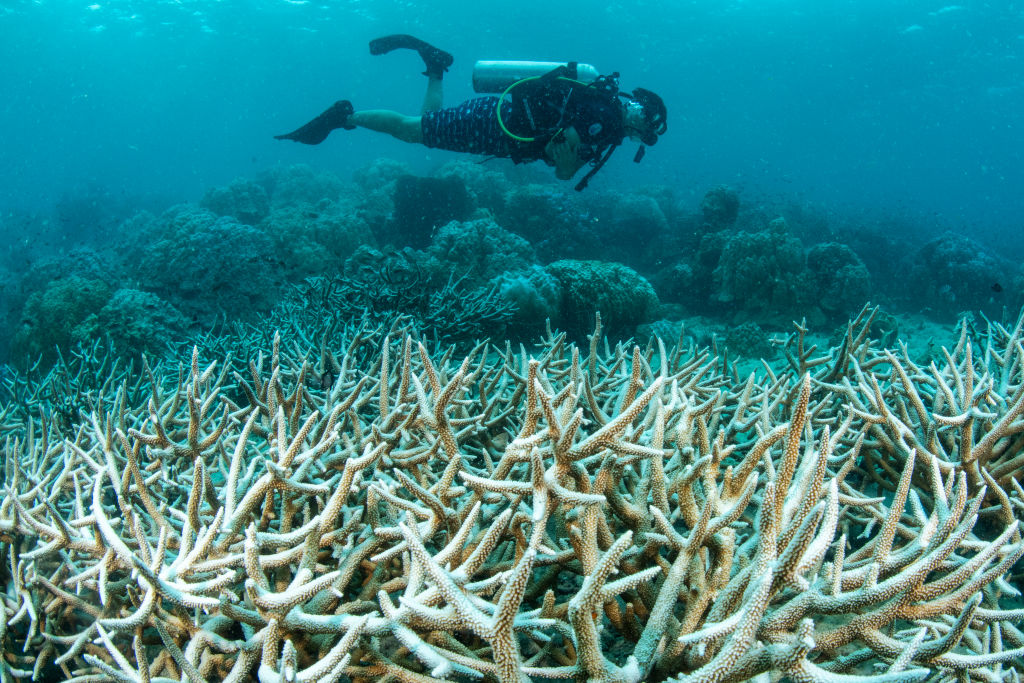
[554,117]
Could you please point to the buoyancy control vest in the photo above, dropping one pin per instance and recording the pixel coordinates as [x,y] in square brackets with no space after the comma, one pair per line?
[534,110]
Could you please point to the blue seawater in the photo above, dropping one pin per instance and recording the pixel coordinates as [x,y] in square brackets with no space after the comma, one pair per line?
[913,104]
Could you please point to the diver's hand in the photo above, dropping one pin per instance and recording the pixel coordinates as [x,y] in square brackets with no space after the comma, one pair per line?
[564,156]
[563,151]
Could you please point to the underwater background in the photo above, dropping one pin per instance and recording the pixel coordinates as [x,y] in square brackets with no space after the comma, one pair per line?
[912,104]
[367,411]
[882,126]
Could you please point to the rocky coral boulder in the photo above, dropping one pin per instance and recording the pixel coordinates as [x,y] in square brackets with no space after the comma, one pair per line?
[676,283]
[302,184]
[842,281]
[310,240]
[557,223]
[81,262]
[631,228]
[380,174]
[720,207]
[135,322]
[761,275]
[208,266]
[479,249]
[953,273]
[623,297]
[748,340]
[51,315]
[536,295]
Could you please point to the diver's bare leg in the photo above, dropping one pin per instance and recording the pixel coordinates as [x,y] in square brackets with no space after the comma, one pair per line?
[406,128]
[400,126]
[434,98]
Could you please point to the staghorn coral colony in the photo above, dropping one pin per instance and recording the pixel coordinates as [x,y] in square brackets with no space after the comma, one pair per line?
[371,507]
[264,439]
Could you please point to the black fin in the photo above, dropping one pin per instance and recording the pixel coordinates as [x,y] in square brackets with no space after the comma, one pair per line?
[437,61]
[317,130]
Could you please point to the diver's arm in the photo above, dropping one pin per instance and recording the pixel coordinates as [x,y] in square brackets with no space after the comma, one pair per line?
[561,150]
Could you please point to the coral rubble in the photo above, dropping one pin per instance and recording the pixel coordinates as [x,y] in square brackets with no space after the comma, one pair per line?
[370,508]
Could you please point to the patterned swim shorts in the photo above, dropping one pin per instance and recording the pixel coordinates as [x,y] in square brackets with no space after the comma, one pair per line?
[470,127]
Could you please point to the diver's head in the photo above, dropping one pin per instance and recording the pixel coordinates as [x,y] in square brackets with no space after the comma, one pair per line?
[646,116]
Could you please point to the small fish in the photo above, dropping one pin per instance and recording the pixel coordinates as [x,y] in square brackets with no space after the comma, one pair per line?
[997,288]
[913,28]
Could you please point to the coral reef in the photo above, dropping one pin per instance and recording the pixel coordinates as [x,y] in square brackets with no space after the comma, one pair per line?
[244,200]
[593,514]
[477,232]
[720,207]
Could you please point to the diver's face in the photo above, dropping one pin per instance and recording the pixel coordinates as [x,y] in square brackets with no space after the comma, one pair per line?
[635,123]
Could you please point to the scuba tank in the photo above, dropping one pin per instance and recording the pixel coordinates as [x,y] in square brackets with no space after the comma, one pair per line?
[497,76]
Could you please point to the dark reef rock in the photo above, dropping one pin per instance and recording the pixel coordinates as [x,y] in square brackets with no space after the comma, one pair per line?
[424,204]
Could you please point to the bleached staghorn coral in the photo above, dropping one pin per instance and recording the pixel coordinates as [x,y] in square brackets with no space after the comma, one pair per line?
[603,516]
[964,409]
